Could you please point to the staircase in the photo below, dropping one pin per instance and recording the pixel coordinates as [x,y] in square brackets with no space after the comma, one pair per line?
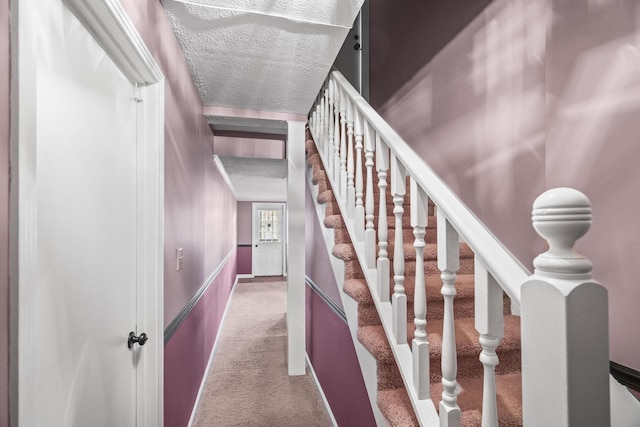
[437,303]
[393,399]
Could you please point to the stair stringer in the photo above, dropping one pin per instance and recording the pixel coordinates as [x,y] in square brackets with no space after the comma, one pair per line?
[424,409]
[368,364]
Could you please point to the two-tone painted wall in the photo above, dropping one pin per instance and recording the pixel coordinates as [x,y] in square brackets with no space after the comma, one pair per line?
[521,96]
[329,344]
[200,218]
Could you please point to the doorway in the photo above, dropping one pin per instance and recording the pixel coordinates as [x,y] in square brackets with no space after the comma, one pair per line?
[268,239]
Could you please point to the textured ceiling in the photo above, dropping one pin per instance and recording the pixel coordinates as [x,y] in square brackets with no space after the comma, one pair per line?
[261,55]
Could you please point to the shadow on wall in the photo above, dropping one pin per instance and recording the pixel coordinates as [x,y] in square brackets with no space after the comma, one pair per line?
[475,114]
[531,95]
[426,28]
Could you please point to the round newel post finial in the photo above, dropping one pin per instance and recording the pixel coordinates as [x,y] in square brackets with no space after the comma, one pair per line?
[562,216]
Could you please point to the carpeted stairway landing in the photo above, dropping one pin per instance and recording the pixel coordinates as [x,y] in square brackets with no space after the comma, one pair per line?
[247,384]
[392,396]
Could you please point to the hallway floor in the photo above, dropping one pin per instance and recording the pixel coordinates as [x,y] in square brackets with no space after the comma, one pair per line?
[248,384]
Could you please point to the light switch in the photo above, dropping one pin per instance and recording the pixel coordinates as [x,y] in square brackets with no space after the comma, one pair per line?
[179,258]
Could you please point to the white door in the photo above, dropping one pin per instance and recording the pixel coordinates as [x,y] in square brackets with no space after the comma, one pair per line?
[268,239]
[80,243]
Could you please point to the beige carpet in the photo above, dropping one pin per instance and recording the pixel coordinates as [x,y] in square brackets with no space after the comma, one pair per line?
[248,384]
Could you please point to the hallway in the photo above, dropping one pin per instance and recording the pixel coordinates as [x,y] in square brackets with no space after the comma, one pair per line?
[247,383]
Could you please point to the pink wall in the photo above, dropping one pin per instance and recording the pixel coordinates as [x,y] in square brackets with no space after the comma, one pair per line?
[244,222]
[200,217]
[4,211]
[199,208]
[249,147]
[528,96]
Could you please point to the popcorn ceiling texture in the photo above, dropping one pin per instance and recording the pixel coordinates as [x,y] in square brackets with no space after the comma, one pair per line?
[265,56]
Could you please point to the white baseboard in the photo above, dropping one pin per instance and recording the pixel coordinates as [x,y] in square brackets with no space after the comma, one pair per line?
[324,398]
[245,276]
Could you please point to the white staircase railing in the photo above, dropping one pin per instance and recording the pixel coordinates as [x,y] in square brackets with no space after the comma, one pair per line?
[565,358]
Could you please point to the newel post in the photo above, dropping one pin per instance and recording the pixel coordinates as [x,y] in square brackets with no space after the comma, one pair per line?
[565,339]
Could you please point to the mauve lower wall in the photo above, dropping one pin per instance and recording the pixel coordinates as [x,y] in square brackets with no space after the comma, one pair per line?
[200,217]
[335,363]
[4,210]
[528,96]
[187,353]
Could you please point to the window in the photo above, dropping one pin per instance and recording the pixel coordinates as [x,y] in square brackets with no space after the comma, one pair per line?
[269,225]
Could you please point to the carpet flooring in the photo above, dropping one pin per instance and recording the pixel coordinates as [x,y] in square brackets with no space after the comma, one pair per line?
[248,384]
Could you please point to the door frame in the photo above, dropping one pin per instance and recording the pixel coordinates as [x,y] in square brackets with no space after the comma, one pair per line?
[254,232]
[110,26]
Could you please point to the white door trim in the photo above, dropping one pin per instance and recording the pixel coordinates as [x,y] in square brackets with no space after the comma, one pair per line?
[254,233]
[109,24]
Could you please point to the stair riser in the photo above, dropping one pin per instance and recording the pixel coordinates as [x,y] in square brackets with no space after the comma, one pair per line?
[470,366]
[389,377]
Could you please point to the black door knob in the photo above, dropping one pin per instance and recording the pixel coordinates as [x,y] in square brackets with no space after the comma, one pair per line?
[134,339]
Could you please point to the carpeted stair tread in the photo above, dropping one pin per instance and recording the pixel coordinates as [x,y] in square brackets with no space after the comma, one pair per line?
[509,387]
[334,221]
[318,176]
[344,251]
[430,251]
[325,197]
[359,291]
[374,340]
[396,406]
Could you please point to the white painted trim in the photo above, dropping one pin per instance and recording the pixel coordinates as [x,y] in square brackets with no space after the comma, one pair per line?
[245,276]
[111,27]
[213,351]
[321,391]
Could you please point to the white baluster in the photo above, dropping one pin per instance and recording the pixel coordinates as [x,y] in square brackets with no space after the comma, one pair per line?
[382,165]
[351,188]
[329,157]
[336,136]
[370,232]
[490,326]
[448,263]
[359,209]
[564,323]
[321,133]
[399,298]
[325,129]
[420,344]
[312,119]
[343,146]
